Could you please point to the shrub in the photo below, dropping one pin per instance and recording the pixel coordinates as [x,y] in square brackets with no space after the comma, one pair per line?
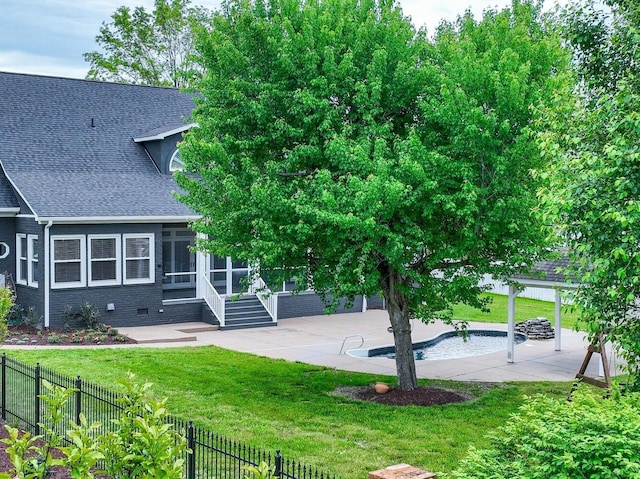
[87,314]
[6,303]
[587,437]
[143,445]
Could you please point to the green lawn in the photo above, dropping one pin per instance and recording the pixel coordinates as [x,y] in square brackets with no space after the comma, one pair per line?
[277,404]
[525,309]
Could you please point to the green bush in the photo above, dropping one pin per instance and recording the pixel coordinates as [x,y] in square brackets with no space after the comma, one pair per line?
[6,303]
[142,446]
[588,437]
[88,315]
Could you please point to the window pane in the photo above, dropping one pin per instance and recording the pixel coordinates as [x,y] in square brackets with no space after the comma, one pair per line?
[67,272]
[67,249]
[137,247]
[103,270]
[23,247]
[237,282]
[138,269]
[35,271]
[238,263]
[103,248]
[218,262]
[23,270]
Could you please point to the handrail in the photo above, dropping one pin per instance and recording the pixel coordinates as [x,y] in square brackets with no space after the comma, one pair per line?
[214,300]
[266,297]
[349,337]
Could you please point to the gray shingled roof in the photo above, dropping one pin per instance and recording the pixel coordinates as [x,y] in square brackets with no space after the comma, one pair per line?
[548,271]
[7,198]
[65,167]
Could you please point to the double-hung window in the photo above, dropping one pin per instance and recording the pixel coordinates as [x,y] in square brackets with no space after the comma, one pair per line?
[99,260]
[27,259]
[104,260]
[68,261]
[138,258]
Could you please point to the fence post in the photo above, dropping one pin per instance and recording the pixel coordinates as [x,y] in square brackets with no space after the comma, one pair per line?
[37,400]
[4,386]
[191,452]
[78,399]
[278,469]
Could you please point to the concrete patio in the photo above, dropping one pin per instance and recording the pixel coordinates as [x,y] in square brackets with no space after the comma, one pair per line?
[319,339]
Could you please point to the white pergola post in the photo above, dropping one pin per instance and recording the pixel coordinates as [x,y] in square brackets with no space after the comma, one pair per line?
[511,316]
[558,328]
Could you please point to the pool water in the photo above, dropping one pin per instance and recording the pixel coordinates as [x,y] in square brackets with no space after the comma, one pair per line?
[448,345]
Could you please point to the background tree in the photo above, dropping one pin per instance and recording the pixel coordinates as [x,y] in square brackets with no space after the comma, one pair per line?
[338,146]
[149,48]
[593,195]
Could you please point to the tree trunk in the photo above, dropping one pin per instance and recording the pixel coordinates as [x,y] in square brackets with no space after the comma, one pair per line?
[405,361]
[399,317]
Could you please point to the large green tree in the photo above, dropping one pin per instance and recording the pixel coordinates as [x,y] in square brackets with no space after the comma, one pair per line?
[149,48]
[593,195]
[337,145]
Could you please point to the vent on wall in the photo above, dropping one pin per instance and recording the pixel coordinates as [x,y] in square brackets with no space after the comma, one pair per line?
[143,310]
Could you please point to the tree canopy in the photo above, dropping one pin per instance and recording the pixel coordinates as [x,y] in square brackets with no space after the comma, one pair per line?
[593,194]
[337,145]
[149,48]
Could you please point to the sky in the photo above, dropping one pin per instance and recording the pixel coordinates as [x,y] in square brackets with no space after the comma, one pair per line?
[48,37]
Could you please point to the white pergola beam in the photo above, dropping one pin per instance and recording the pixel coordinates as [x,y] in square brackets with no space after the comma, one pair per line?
[511,328]
[558,328]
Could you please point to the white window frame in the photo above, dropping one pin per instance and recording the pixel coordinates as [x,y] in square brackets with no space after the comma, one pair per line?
[117,259]
[82,260]
[176,157]
[29,257]
[32,257]
[151,258]
[20,257]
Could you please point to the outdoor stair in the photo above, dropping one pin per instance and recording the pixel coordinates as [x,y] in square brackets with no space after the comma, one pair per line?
[246,312]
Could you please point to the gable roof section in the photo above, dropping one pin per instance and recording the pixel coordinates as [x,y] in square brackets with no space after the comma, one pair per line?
[162,133]
[67,146]
[8,202]
[549,272]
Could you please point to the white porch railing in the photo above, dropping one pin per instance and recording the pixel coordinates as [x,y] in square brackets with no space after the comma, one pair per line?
[214,300]
[266,297]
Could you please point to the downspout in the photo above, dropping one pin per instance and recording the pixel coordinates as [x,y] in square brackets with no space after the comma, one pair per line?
[47,276]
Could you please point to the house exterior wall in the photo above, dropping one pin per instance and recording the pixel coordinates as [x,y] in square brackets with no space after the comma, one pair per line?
[135,304]
[8,237]
[308,304]
[376,302]
[161,151]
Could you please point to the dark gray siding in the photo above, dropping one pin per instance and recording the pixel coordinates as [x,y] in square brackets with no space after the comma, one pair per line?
[308,304]
[135,305]
[8,236]
[376,302]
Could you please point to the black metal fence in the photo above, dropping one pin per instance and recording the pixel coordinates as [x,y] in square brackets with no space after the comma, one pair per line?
[209,456]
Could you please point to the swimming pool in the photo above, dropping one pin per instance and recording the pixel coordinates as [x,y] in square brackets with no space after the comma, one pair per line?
[448,345]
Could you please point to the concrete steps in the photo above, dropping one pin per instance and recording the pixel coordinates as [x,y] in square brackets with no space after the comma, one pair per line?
[246,312]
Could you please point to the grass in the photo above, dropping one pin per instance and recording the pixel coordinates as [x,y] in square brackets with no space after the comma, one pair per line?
[274,404]
[525,309]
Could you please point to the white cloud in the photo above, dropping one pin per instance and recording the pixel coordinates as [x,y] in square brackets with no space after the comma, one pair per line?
[49,36]
[21,62]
